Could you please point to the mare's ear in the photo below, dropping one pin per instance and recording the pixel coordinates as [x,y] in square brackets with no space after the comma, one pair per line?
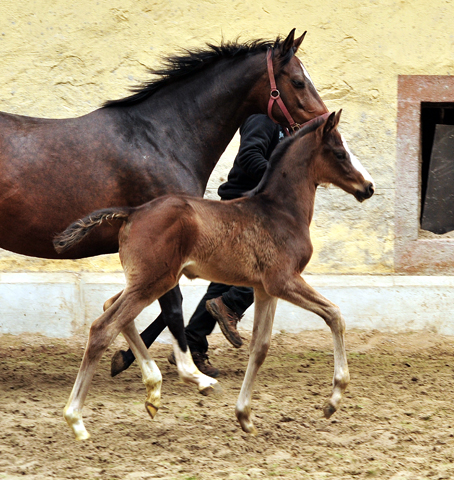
[298,42]
[332,122]
[287,44]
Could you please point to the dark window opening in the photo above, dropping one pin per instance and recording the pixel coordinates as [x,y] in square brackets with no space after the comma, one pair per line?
[437,169]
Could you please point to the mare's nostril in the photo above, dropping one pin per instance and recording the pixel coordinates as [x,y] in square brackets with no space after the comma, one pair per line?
[371,189]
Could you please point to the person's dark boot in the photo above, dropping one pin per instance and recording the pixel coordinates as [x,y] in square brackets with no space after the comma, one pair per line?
[227,319]
[201,361]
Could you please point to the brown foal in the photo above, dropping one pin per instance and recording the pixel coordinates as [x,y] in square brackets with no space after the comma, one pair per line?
[261,240]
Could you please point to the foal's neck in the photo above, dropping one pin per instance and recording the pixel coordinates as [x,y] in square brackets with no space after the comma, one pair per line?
[291,188]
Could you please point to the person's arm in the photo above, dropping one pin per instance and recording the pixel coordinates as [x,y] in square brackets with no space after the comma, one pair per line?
[257,133]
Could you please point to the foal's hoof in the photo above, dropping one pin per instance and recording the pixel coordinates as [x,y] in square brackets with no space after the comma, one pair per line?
[328,410]
[214,389]
[151,409]
[118,363]
[244,417]
[74,420]
[249,429]
[82,436]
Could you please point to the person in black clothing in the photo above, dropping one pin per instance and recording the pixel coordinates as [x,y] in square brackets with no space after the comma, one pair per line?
[224,303]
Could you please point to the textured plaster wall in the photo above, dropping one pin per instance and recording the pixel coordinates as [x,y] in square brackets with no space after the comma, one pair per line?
[62,59]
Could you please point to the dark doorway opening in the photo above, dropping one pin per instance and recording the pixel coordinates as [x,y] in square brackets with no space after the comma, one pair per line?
[437,169]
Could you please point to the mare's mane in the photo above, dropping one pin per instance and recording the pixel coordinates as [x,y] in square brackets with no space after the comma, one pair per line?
[190,62]
[281,149]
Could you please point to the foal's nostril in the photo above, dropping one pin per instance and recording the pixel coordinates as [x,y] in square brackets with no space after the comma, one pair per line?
[370,189]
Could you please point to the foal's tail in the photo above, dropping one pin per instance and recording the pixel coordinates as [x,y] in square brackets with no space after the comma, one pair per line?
[81,228]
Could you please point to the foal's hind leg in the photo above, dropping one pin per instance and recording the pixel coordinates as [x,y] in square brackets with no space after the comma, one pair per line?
[264,310]
[151,375]
[171,306]
[298,292]
[102,332]
[111,301]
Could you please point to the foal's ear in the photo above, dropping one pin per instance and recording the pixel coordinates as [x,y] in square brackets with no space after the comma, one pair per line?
[298,42]
[287,44]
[332,122]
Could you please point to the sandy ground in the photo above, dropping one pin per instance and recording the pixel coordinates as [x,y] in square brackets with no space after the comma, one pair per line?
[396,421]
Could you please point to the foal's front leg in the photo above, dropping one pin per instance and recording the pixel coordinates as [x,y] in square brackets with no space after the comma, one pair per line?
[264,310]
[102,332]
[298,292]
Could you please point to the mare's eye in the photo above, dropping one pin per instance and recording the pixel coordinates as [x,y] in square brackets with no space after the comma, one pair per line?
[298,84]
[340,155]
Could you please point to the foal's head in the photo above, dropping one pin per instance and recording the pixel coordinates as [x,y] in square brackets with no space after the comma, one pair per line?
[332,162]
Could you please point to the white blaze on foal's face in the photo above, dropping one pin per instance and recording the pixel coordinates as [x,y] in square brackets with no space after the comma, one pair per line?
[357,164]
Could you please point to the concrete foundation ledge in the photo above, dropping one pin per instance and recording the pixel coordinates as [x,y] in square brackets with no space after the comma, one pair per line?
[65,304]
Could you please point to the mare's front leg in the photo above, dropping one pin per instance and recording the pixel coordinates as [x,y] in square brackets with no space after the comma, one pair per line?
[264,310]
[187,371]
[298,292]
[102,332]
[171,307]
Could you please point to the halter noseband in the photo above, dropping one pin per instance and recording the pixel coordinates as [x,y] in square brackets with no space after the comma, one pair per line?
[275,96]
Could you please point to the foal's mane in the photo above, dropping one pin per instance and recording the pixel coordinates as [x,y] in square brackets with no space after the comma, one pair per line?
[189,62]
[282,148]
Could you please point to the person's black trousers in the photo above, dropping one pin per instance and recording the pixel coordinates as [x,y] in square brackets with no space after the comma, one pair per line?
[201,324]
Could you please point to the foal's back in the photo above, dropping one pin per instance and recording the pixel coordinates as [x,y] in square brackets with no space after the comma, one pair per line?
[232,242]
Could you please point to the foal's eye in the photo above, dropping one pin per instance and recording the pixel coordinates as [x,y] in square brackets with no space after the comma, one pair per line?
[340,155]
[298,83]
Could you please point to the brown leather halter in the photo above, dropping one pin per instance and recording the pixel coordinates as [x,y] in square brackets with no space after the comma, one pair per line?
[275,96]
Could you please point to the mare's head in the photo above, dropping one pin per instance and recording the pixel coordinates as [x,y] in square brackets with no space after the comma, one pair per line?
[294,84]
[333,163]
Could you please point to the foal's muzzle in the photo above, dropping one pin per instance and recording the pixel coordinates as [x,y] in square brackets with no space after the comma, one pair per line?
[366,193]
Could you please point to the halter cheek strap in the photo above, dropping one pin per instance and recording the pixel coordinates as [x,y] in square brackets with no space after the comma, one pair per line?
[275,96]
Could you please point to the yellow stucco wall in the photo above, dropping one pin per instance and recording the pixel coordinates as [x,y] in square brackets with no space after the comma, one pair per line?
[62,59]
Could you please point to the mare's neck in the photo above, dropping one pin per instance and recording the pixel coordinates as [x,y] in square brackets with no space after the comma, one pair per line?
[195,119]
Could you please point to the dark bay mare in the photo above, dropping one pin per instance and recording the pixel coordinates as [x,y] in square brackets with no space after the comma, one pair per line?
[165,138]
[261,241]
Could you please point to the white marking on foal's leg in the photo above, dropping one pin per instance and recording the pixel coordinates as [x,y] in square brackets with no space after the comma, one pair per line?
[189,373]
[74,419]
[357,164]
[151,375]
[264,310]
[73,409]
[341,377]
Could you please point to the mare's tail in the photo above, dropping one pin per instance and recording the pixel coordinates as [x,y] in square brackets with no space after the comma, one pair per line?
[81,228]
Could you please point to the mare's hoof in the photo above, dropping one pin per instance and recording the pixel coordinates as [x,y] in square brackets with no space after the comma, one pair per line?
[118,363]
[151,409]
[328,410]
[214,389]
